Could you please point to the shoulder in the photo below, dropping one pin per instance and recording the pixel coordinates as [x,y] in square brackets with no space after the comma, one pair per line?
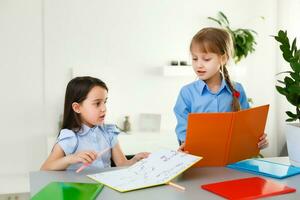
[239,87]
[243,97]
[66,134]
[111,129]
[189,88]
[67,140]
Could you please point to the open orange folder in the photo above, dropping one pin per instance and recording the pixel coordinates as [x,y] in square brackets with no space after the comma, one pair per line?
[224,138]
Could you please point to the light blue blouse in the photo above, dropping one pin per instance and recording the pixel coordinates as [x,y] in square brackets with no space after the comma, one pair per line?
[196,97]
[96,139]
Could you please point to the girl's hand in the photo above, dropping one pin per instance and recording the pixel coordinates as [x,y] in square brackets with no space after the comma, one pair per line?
[263,142]
[140,156]
[83,156]
[181,148]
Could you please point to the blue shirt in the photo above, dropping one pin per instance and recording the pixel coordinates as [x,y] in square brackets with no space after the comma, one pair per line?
[196,97]
[96,139]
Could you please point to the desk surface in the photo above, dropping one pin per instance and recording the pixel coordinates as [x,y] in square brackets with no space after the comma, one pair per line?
[191,179]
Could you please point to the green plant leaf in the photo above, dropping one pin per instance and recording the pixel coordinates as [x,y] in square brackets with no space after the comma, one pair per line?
[287,56]
[279,39]
[281,90]
[288,81]
[297,55]
[223,18]
[291,115]
[213,19]
[295,76]
[291,119]
[243,39]
[281,34]
[295,65]
[284,72]
[293,99]
[281,82]
[294,46]
[294,89]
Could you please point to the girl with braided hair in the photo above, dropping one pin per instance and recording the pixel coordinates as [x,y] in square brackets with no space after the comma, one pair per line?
[214,91]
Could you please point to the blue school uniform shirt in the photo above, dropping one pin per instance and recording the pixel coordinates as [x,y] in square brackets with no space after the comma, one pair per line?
[196,97]
[96,139]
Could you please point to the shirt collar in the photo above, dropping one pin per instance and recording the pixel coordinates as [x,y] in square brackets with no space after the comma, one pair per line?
[202,85]
[85,129]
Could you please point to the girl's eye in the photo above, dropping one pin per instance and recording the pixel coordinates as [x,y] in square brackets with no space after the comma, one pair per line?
[206,59]
[195,59]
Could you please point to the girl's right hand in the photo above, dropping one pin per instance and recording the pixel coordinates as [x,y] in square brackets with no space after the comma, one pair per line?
[83,156]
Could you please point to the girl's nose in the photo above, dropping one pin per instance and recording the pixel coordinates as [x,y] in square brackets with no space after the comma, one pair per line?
[199,64]
[103,107]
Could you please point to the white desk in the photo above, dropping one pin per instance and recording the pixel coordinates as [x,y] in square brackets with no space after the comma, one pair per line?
[191,180]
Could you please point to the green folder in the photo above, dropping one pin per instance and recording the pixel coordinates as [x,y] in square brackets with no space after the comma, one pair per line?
[65,191]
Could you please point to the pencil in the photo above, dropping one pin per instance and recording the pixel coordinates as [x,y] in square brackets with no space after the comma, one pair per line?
[84,165]
[176,186]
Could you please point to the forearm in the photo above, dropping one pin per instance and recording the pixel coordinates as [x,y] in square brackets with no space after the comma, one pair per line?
[125,162]
[130,162]
[58,164]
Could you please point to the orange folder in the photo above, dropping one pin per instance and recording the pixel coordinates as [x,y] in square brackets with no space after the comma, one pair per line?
[248,188]
[224,138]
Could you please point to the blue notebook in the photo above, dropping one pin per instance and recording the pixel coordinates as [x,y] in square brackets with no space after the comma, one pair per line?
[265,168]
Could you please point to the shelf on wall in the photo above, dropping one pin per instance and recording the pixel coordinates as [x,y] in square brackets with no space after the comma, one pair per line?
[186,70]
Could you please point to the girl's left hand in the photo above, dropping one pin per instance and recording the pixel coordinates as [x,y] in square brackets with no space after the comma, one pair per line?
[140,156]
[263,142]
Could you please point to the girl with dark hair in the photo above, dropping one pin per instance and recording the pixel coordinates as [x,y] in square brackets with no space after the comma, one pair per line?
[84,134]
[211,49]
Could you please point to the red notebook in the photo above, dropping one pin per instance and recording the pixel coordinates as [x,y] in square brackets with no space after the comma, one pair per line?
[247,188]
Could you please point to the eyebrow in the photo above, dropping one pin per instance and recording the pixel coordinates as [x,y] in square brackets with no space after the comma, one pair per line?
[99,99]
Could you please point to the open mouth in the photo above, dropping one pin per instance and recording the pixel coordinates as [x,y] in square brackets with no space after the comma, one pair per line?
[200,72]
[102,116]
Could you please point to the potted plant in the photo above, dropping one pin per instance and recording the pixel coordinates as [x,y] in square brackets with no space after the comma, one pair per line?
[290,88]
[243,39]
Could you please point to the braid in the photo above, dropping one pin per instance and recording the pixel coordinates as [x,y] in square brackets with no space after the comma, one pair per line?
[235,105]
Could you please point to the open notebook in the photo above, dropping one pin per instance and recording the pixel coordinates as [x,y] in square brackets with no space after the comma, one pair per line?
[224,138]
[159,168]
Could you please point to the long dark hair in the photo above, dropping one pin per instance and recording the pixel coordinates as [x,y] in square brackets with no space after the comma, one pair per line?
[77,91]
[218,41]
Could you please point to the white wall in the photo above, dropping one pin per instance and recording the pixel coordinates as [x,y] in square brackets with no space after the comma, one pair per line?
[21,85]
[128,42]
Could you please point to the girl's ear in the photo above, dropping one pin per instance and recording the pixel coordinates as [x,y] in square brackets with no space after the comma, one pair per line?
[76,107]
[224,59]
